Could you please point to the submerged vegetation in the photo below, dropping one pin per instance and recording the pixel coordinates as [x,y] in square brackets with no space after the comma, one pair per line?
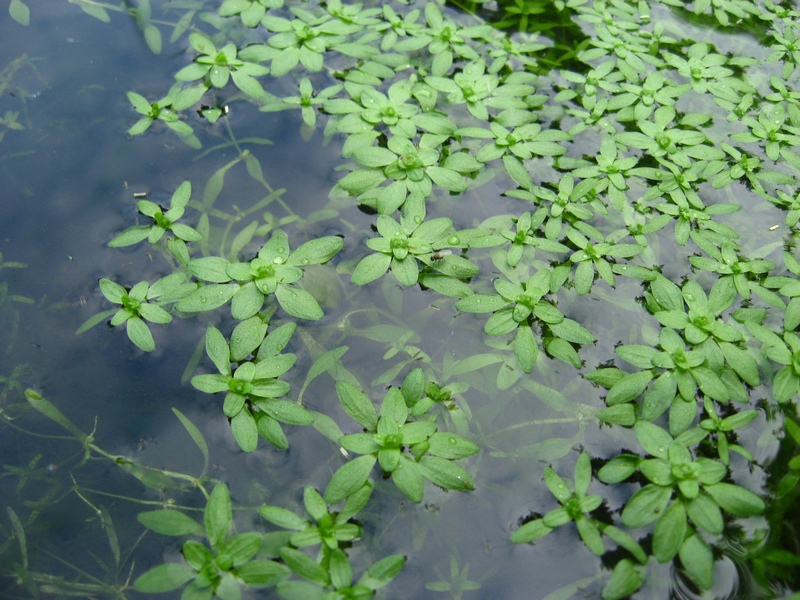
[639,155]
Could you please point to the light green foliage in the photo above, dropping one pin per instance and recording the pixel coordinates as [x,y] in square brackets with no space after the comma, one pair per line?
[621,158]
[9,123]
[253,390]
[408,449]
[517,307]
[403,246]
[136,307]
[274,271]
[217,568]
[330,527]
[576,506]
[215,67]
[164,221]
[164,110]
[20,12]
[684,494]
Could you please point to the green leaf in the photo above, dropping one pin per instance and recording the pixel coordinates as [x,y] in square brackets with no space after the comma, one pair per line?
[95,320]
[164,578]
[710,384]
[370,268]
[374,156]
[170,522]
[131,236]
[563,351]
[646,505]
[249,85]
[316,252]
[705,514]
[152,478]
[261,573]
[20,12]
[217,515]
[408,477]
[451,446]
[670,532]
[218,351]
[583,474]
[447,178]
[152,36]
[349,478]
[304,566]
[139,334]
[637,355]
[530,532]
[394,406]
[621,414]
[626,578]
[481,303]
[784,385]
[357,405]
[207,297]
[283,518]
[653,438]
[286,411]
[736,500]
[570,331]
[446,474]
[383,571]
[628,388]
[667,294]
[244,429]
[362,180]
[246,337]
[518,172]
[587,528]
[556,485]
[44,406]
[525,348]
[270,430]
[626,541]
[406,271]
[698,560]
[737,420]
[298,302]
[196,436]
[96,11]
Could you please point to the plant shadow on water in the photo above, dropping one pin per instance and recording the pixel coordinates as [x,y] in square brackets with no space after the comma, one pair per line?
[469,300]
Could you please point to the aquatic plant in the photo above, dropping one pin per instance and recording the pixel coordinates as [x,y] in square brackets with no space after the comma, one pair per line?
[640,150]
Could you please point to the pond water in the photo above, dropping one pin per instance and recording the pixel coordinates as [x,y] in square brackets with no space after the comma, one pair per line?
[70,179]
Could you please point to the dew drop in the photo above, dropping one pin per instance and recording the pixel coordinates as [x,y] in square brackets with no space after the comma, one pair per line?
[417,219]
[203,300]
[278,260]
[453,240]
[452,440]
[661,449]
[478,301]
[279,347]
[305,261]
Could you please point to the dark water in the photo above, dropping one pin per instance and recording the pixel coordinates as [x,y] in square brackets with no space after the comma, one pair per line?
[66,187]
